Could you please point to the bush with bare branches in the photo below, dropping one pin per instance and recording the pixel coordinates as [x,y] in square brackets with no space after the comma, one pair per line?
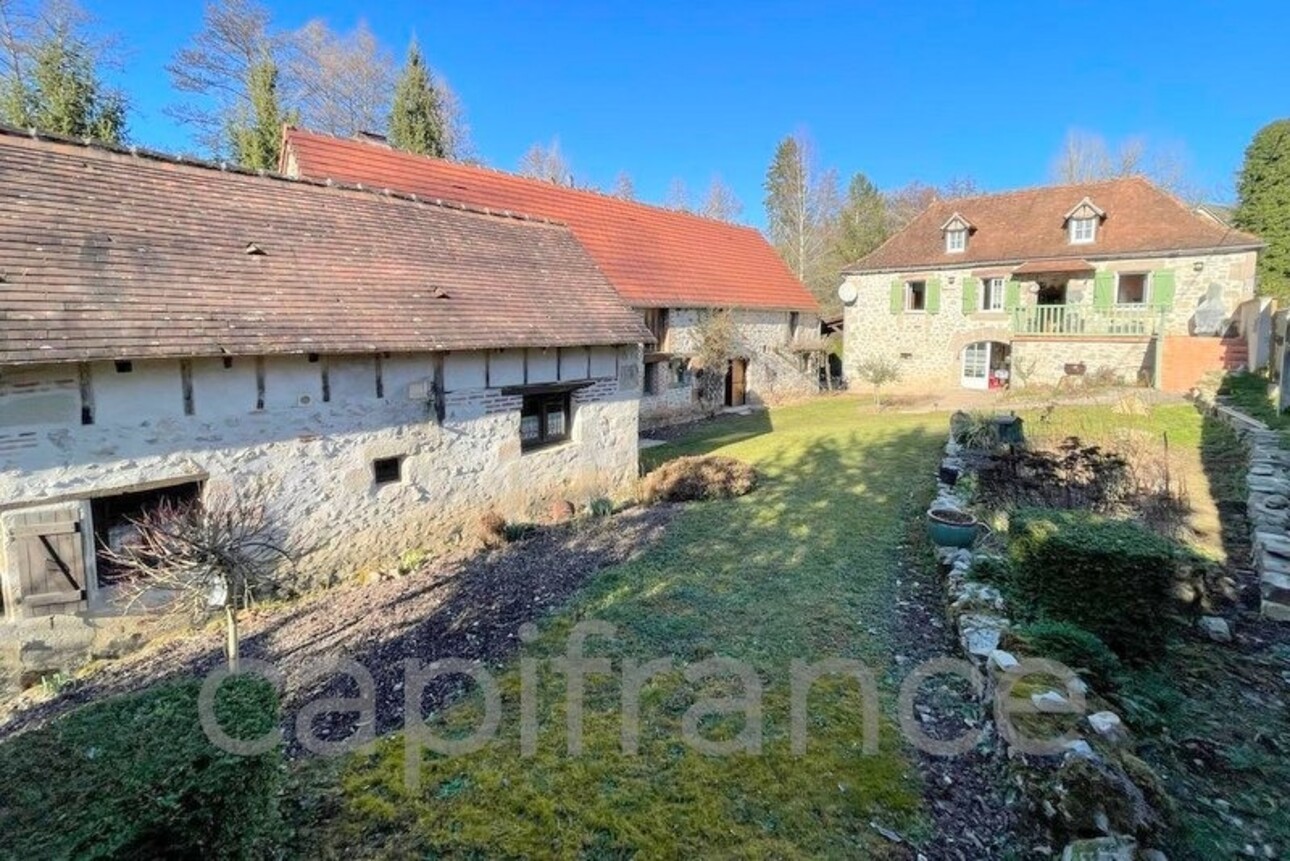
[220,554]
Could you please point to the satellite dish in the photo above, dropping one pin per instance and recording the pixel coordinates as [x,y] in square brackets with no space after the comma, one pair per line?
[848,293]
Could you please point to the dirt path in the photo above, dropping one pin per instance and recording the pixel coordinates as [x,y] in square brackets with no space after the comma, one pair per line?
[462,606]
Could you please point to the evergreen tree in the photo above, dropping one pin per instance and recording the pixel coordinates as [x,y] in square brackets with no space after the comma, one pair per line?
[862,225]
[54,87]
[802,204]
[255,135]
[416,116]
[1263,206]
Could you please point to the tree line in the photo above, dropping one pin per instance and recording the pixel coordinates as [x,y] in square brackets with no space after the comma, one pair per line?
[239,79]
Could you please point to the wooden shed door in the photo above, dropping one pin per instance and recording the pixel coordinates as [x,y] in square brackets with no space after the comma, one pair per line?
[737,383]
[45,572]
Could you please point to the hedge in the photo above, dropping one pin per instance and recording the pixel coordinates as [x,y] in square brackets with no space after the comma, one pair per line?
[1075,647]
[1111,577]
[136,777]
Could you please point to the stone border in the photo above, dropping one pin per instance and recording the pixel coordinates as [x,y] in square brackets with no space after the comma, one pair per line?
[1268,508]
[980,616]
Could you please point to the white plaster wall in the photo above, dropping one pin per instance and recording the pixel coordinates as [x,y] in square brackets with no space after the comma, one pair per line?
[928,347]
[220,391]
[315,462]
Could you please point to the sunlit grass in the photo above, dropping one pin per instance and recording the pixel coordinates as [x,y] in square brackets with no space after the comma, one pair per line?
[803,568]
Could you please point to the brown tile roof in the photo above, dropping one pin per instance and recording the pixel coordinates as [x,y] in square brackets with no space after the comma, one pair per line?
[654,257]
[114,254]
[1030,224]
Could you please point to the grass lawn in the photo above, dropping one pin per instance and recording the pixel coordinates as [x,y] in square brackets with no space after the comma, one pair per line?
[803,568]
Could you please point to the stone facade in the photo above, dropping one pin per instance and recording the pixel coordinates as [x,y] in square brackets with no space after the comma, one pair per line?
[929,346]
[310,431]
[775,372]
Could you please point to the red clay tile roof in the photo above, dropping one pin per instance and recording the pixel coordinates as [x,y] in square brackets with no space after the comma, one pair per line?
[109,254]
[654,257]
[1030,224]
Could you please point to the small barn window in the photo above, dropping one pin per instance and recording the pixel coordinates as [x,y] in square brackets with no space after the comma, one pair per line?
[544,420]
[387,470]
[124,366]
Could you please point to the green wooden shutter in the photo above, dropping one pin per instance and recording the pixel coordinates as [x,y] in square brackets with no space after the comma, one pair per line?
[933,305]
[1012,295]
[1162,288]
[971,295]
[1103,290]
[897,297]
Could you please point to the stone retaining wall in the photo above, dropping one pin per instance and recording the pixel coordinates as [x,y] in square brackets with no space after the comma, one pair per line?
[1268,508]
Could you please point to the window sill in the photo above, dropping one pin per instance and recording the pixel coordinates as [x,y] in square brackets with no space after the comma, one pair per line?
[546,445]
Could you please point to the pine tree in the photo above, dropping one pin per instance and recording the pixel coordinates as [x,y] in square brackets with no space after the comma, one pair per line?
[416,116]
[801,216]
[1263,207]
[862,225]
[255,135]
[54,87]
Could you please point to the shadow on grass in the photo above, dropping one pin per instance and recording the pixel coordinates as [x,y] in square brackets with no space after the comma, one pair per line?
[805,568]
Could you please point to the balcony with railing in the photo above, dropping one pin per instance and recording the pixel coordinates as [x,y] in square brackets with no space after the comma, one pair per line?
[1082,321]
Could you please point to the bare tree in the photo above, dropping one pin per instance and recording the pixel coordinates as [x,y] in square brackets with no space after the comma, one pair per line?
[802,206]
[624,189]
[1087,157]
[340,83]
[678,195]
[457,139]
[905,203]
[214,69]
[721,202]
[217,555]
[547,162]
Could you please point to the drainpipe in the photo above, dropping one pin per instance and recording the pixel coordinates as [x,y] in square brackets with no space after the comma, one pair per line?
[1157,352]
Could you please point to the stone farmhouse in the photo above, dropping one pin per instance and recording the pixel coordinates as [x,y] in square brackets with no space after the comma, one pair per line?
[385,368]
[675,268]
[1108,280]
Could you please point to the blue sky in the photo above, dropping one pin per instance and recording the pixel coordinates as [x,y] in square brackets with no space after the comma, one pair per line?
[901,91]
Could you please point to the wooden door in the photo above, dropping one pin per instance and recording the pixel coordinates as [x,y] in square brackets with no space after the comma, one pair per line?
[737,383]
[45,553]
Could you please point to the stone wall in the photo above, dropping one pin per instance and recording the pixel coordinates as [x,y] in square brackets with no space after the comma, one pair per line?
[929,347]
[313,441]
[775,372]
[1128,361]
[1268,508]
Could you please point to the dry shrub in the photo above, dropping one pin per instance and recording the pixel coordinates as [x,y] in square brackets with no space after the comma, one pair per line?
[708,477]
[492,529]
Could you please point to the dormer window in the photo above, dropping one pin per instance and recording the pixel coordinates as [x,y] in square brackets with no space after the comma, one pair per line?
[1083,230]
[1082,222]
[956,230]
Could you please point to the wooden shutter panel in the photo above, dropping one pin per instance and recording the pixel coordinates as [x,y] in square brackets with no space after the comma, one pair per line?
[1012,295]
[897,297]
[933,305]
[45,554]
[1103,290]
[1162,289]
[971,295]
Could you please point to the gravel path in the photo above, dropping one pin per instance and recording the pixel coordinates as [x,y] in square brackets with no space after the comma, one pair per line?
[461,606]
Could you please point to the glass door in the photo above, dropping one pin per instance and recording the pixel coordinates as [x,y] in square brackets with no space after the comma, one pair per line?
[976,365]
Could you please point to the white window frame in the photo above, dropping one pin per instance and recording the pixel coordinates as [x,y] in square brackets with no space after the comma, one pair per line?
[1146,290]
[992,294]
[951,245]
[909,295]
[1077,236]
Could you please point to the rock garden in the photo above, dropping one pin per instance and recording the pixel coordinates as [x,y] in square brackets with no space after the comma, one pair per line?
[1077,584]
